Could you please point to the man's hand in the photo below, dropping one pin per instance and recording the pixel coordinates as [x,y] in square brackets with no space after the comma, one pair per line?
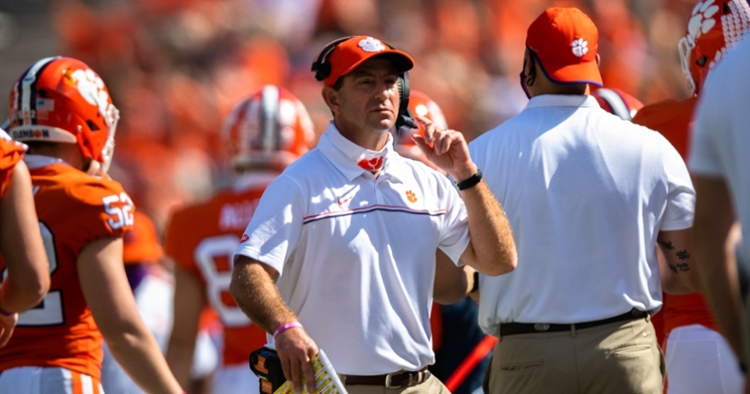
[447,149]
[7,324]
[296,349]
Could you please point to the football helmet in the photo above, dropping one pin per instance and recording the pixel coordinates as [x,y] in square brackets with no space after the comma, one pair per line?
[271,128]
[60,99]
[715,26]
[617,102]
[420,104]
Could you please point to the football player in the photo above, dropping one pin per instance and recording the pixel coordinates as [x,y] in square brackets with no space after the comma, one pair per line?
[263,134]
[27,279]
[62,110]
[715,26]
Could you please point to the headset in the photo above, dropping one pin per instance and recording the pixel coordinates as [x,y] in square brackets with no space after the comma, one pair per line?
[322,69]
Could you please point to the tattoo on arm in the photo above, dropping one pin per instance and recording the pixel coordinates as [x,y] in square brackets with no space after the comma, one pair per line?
[683,255]
[667,245]
[683,265]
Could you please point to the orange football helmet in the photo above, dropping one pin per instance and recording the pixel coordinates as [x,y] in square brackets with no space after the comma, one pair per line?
[271,128]
[420,104]
[60,99]
[617,102]
[715,26]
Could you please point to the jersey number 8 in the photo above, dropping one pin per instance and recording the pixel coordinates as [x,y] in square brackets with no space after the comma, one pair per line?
[213,256]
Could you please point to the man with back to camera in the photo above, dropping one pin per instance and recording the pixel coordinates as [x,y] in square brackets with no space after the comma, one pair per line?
[63,111]
[350,232]
[588,196]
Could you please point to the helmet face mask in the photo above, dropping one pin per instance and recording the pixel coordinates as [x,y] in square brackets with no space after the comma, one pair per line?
[617,102]
[715,26]
[269,129]
[62,100]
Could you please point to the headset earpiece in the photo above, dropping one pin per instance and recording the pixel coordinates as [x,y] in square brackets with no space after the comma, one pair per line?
[323,71]
[405,117]
[320,66]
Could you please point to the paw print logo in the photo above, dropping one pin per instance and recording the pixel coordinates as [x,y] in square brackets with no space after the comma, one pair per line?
[373,164]
[92,89]
[702,21]
[411,196]
[370,44]
[580,47]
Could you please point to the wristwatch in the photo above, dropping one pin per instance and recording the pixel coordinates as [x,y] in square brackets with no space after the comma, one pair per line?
[470,181]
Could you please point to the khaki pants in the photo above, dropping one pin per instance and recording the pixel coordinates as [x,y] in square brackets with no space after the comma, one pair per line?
[613,358]
[429,386]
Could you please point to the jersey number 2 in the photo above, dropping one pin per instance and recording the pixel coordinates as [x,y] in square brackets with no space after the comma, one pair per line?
[50,311]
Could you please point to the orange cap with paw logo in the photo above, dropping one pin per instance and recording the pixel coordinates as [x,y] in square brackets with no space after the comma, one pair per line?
[565,42]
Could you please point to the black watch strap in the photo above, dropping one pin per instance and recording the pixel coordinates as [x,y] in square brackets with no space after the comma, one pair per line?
[470,182]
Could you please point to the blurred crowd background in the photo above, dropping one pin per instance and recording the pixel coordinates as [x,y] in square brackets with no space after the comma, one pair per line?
[175,67]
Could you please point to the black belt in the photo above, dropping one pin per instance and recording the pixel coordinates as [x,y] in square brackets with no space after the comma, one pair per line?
[528,328]
[390,381]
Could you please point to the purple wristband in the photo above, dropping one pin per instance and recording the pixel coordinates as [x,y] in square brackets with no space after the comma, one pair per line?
[285,327]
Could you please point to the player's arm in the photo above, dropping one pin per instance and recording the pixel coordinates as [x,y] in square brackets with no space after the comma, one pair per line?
[105,287]
[21,245]
[253,287]
[716,260]
[189,299]
[677,270]
[452,283]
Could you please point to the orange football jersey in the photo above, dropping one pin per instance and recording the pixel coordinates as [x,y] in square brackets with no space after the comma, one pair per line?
[73,209]
[673,120]
[202,239]
[10,153]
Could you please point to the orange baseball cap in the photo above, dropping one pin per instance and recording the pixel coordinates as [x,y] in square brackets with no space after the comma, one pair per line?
[141,244]
[565,41]
[342,57]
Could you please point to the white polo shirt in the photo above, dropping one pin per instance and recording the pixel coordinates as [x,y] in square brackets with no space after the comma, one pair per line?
[356,254]
[721,133]
[586,194]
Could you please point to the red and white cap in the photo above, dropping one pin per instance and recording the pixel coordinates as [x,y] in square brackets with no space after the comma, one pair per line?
[565,41]
[350,54]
